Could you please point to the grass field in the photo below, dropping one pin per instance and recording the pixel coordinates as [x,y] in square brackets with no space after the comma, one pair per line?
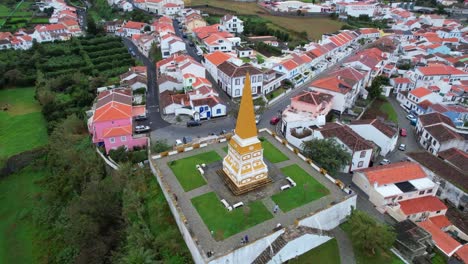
[315,27]
[276,92]
[22,126]
[17,234]
[224,223]
[364,257]
[307,189]
[187,174]
[326,253]
[271,153]
[381,108]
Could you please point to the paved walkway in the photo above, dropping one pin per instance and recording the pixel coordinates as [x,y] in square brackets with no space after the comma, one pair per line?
[345,247]
[201,232]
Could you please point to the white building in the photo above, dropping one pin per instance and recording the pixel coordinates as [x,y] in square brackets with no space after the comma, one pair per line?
[211,61]
[171,44]
[232,24]
[383,135]
[231,78]
[356,9]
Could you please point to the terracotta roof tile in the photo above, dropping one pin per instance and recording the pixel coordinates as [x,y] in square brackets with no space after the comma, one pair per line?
[420,92]
[435,118]
[217,57]
[456,157]
[440,221]
[117,131]
[345,135]
[442,240]
[393,173]
[386,129]
[462,253]
[421,205]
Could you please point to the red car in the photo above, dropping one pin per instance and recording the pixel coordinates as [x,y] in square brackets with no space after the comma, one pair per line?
[403,132]
[274,120]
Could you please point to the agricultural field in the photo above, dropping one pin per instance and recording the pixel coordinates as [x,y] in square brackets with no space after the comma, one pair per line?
[13,17]
[314,27]
[22,126]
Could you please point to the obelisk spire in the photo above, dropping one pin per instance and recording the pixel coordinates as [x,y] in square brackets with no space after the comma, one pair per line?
[245,126]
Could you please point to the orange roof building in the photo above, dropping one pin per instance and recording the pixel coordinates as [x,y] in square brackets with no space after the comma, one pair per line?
[243,166]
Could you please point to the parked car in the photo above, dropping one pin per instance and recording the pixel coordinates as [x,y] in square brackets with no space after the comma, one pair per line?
[403,132]
[402,147]
[187,140]
[140,117]
[142,129]
[275,120]
[193,123]
[257,119]
[410,117]
[178,142]
[385,162]
[191,44]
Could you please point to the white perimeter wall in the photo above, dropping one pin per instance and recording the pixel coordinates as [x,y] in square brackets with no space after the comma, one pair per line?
[331,217]
[298,247]
[248,253]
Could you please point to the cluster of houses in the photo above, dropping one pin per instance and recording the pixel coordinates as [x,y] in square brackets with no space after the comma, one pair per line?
[63,24]
[160,7]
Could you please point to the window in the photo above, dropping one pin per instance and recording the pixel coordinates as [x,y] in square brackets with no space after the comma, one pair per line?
[363,154]
[237,92]
[218,111]
[429,191]
[421,192]
[123,138]
[360,164]
[206,108]
[254,79]
[434,143]
[112,140]
[237,81]
[438,212]
[259,78]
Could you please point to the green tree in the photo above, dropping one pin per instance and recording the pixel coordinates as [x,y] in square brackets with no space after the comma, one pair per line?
[159,146]
[327,153]
[91,26]
[375,90]
[369,235]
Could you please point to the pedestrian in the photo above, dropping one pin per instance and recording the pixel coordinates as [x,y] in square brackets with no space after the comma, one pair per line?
[242,241]
[246,239]
[275,209]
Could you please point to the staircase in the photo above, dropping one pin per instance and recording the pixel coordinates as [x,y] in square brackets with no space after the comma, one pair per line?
[289,234]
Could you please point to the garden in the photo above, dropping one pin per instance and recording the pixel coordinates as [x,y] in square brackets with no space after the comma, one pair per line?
[307,189]
[186,172]
[381,107]
[224,223]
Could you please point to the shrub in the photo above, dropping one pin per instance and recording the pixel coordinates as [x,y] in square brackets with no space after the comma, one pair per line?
[160,146]
[119,155]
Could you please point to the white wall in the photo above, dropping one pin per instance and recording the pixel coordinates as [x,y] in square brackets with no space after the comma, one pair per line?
[331,217]
[298,247]
[369,132]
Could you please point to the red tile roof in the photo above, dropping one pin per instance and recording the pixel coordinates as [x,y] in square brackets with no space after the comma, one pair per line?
[440,70]
[217,57]
[112,111]
[442,240]
[138,110]
[117,131]
[420,92]
[440,221]
[394,173]
[421,205]
[134,25]
[462,253]
[333,83]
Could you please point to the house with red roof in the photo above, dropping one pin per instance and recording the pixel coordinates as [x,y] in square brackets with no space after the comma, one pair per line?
[401,84]
[360,149]
[144,42]
[402,189]
[425,76]
[436,132]
[111,123]
[383,134]
[135,78]
[418,95]
[232,23]
[171,9]
[344,84]
[213,60]
[171,44]
[131,27]
[372,61]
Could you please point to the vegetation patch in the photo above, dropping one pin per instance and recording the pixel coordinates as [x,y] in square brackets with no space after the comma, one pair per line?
[271,153]
[307,189]
[186,172]
[381,108]
[223,223]
[328,253]
[18,236]
[22,126]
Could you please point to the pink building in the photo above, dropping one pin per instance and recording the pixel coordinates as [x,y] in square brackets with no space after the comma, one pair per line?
[112,120]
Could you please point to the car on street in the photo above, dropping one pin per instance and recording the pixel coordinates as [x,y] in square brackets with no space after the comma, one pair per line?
[385,162]
[410,117]
[142,129]
[140,117]
[193,123]
[402,147]
[403,132]
[257,119]
[275,120]
[191,44]
[178,142]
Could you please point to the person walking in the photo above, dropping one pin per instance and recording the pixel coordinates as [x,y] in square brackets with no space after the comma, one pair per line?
[246,238]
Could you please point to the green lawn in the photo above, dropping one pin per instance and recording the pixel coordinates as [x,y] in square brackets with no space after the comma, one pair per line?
[22,126]
[326,253]
[307,189]
[271,153]
[387,108]
[186,172]
[439,258]
[364,258]
[224,223]
[4,10]
[225,149]
[40,20]
[276,93]
[17,233]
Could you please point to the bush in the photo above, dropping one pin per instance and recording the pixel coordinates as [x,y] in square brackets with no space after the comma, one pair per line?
[160,146]
[119,155]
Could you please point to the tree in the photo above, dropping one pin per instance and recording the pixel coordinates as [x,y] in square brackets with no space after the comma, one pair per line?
[327,153]
[91,26]
[159,146]
[369,235]
[375,90]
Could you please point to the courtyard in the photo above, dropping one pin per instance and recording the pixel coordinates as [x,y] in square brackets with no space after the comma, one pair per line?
[216,228]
